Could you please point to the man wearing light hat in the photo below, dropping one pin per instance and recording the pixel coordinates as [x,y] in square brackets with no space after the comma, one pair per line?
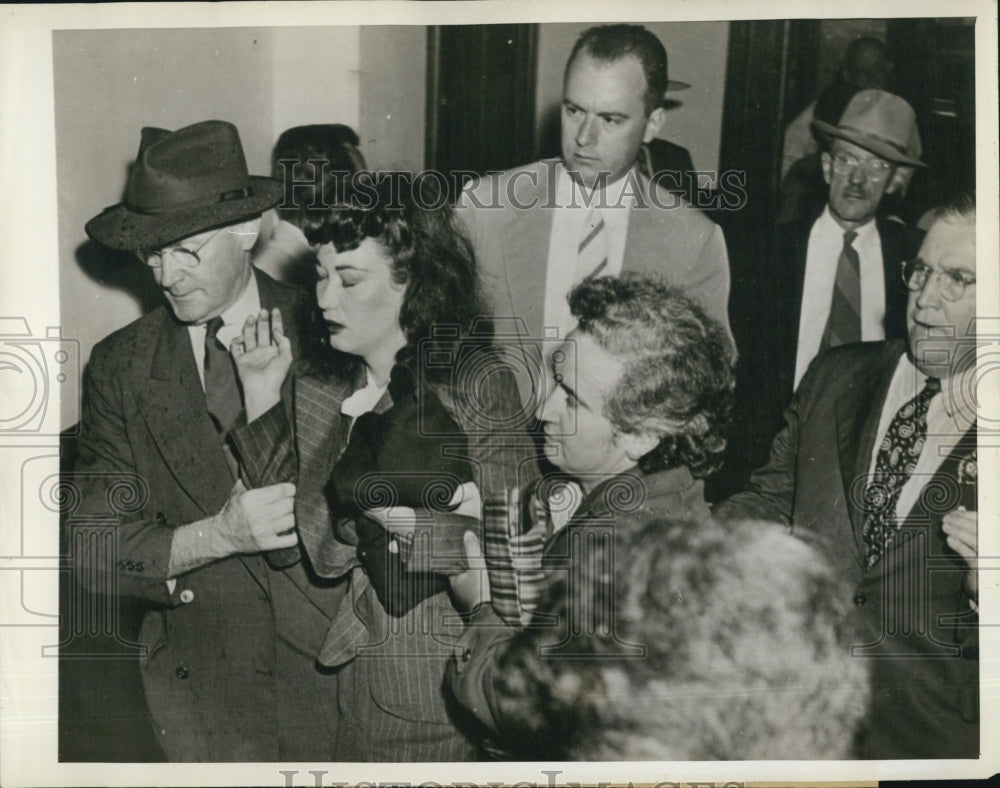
[229,671]
[834,279]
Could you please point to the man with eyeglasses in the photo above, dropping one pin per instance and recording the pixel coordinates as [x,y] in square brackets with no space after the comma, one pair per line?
[834,279]
[877,464]
[229,670]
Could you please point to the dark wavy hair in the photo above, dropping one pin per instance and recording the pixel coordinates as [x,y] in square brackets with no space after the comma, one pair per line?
[297,153]
[678,378]
[695,641]
[610,43]
[411,221]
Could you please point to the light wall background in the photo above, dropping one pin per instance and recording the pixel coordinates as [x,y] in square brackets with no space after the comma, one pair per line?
[111,83]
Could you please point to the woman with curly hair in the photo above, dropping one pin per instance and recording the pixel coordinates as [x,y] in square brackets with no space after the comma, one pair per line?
[401,406]
[635,419]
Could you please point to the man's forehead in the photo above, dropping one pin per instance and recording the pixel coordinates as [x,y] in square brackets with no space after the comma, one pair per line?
[950,244]
[597,69]
[193,240]
[843,146]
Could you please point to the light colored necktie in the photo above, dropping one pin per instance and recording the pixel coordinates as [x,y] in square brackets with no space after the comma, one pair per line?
[592,253]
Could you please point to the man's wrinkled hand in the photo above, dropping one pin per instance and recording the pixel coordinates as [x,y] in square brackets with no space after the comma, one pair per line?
[256,520]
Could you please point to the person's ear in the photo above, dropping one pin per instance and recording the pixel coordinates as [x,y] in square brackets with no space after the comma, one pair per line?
[827,163]
[638,444]
[654,123]
[899,180]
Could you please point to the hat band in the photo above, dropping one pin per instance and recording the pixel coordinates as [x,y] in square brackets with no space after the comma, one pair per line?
[176,207]
[878,138]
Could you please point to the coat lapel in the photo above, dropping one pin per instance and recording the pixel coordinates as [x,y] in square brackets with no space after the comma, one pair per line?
[173,406]
[858,410]
[526,240]
[319,441]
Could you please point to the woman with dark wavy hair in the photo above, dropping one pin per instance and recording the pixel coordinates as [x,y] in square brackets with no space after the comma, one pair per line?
[401,412]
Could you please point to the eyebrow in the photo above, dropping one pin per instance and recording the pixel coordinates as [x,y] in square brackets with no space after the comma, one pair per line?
[609,114]
[951,269]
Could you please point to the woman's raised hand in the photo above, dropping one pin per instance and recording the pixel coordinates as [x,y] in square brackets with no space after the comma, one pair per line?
[263,356]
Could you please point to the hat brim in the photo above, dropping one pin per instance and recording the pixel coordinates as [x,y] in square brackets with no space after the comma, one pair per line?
[876,146]
[121,228]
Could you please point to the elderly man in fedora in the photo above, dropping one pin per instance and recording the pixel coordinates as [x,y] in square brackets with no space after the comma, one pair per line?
[228,669]
[834,279]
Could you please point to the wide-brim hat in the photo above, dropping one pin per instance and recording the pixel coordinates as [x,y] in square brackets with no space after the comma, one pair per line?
[880,122]
[182,183]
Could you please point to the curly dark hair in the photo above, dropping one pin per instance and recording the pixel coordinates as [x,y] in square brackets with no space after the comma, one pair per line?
[410,219]
[694,641]
[678,377]
[610,43]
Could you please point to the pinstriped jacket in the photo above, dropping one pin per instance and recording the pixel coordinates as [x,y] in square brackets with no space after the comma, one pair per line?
[302,442]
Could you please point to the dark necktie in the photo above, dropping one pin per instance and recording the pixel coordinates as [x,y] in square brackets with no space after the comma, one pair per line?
[222,393]
[844,324]
[897,457]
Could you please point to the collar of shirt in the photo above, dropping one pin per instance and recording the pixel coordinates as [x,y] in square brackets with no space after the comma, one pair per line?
[826,241]
[832,233]
[364,399]
[958,402]
[575,203]
[232,324]
[950,414]
[570,193]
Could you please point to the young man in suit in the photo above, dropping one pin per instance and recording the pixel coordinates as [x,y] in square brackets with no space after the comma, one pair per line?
[229,670]
[541,228]
[877,462]
[834,279]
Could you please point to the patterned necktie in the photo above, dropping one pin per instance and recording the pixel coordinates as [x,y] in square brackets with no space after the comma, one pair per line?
[592,254]
[897,457]
[844,325]
[222,393]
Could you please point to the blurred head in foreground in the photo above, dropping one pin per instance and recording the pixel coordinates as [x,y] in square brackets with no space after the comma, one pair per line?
[745,653]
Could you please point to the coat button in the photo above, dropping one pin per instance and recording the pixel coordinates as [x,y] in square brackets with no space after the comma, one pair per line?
[161,518]
[181,671]
[466,655]
[187,595]
[859,599]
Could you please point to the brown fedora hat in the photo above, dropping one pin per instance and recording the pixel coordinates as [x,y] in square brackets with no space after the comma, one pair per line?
[182,183]
[880,122]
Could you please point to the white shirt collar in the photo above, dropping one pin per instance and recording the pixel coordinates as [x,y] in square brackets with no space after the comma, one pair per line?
[232,324]
[571,193]
[827,225]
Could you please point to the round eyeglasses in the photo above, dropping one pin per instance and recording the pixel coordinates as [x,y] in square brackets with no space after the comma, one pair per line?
[187,258]
[952,283]
[875,168]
